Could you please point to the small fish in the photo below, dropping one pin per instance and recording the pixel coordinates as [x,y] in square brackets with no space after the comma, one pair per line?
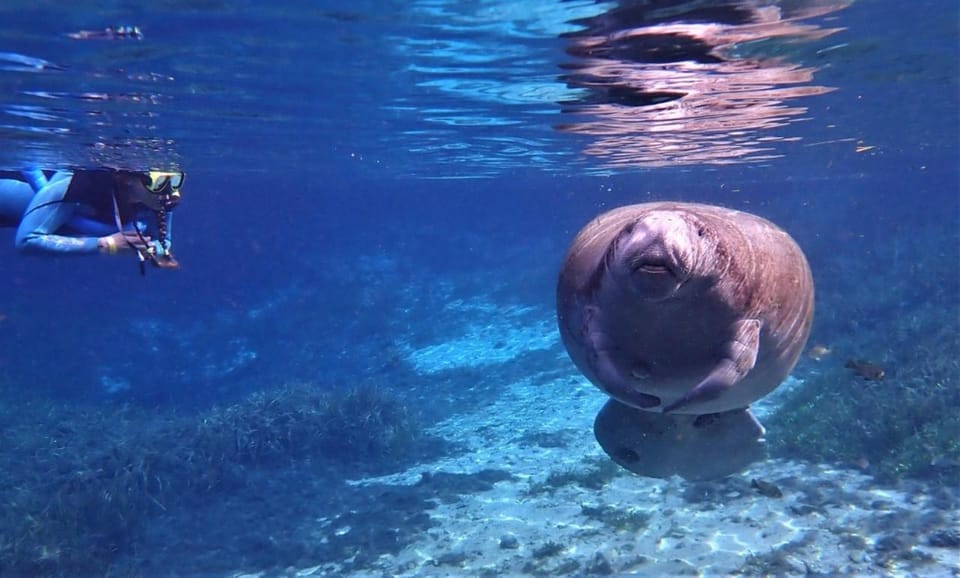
[766,488]
[818,352]
[866,370]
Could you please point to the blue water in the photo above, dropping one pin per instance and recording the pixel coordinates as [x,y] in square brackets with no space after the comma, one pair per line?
[353,169]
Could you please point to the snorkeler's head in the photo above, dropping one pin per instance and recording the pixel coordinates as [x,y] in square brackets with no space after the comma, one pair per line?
[156,190]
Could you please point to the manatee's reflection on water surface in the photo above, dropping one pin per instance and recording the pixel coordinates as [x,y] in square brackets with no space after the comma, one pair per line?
[689,82]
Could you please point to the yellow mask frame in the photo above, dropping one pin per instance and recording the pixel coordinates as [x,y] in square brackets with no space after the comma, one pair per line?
[157,182]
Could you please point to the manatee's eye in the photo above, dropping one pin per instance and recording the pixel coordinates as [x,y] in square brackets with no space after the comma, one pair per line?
[700,232]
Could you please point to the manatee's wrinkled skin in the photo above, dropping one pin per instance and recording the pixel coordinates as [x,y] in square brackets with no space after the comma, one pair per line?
[683,308]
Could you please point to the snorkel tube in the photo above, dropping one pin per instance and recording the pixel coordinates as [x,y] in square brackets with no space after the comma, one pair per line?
[166,186]
[159,193]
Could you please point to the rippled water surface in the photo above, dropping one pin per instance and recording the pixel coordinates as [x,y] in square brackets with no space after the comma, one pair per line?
[442,88]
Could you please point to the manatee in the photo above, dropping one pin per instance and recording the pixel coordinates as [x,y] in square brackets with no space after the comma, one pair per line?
[684,314]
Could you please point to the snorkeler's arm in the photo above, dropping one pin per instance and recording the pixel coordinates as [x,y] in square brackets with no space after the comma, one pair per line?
[35,177]
[47,213]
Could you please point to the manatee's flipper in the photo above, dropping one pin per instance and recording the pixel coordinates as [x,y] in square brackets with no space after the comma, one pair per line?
[740,356]
[694,447]
[614,381]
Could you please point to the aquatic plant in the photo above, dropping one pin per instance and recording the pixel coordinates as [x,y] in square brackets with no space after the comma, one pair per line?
[84,481]
[905,425]
[544,562]
[631,520]
[368,423]
[597,474]
[266,427]
[553,439]
[361,426]
[548,549]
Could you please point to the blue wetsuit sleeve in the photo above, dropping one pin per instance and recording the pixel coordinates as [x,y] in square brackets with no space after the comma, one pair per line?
[35,177]
[47,213]
[15,196]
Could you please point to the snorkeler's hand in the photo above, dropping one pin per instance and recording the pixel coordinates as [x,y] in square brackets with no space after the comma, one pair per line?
[167,261]
[123,241]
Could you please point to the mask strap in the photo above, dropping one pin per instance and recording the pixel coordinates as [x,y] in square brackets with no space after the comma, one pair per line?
[116,219]
[116,211]
[162,226]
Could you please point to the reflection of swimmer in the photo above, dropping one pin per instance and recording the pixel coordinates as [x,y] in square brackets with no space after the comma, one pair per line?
[92,211]
[109,33]
[672,82]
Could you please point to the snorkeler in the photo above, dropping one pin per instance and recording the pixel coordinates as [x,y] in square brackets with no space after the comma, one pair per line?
[106,212]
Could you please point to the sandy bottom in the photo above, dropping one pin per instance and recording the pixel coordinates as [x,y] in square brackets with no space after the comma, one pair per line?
[565,509]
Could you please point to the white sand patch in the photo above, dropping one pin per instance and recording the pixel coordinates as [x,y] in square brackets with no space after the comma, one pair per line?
[765,407]
[496,334]
[642,526]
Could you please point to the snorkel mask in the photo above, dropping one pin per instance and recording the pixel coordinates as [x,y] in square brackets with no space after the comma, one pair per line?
[164,185]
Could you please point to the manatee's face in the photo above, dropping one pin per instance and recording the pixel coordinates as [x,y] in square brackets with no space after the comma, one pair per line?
[655,255]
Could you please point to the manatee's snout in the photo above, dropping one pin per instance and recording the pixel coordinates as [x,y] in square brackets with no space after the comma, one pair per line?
[650,262]
[653,259]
